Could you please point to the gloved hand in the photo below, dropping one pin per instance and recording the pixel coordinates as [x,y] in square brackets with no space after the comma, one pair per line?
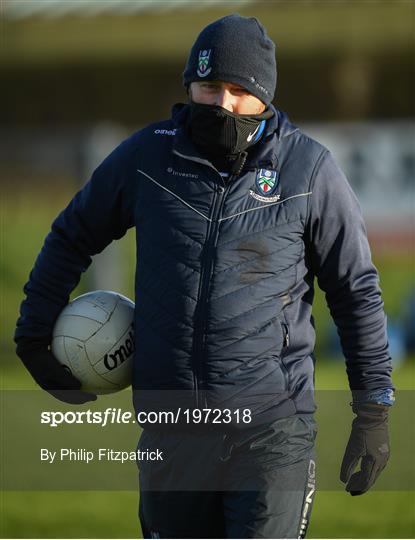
[49,373]
[369,440]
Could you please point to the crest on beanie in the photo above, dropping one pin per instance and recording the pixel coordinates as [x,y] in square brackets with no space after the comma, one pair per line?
[203,68]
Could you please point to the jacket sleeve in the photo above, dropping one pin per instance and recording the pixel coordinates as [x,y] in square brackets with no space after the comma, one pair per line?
[340,258]
[99,213]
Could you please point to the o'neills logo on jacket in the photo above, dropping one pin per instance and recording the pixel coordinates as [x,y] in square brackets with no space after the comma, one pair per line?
[266,183]
[171,132]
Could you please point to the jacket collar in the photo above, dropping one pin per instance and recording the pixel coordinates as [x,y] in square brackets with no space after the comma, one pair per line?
[263,155]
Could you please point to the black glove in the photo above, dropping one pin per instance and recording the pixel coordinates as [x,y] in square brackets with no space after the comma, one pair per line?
[49,373]
[368,440]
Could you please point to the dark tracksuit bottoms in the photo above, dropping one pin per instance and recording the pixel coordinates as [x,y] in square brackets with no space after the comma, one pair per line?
[254,483]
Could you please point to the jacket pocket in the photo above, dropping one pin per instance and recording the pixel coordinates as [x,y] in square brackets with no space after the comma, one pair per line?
[285,337]
[285,344]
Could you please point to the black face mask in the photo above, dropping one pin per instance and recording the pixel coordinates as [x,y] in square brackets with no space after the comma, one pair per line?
[219,131]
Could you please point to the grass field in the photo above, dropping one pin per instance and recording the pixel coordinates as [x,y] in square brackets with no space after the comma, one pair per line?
[114,515]
[42,514]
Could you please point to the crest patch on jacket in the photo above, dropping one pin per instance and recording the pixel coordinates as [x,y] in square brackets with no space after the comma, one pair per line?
[266,183]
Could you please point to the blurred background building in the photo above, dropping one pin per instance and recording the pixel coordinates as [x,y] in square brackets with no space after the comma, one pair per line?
[77,76]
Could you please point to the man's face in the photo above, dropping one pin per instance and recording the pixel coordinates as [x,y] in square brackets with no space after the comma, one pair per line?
[231,97]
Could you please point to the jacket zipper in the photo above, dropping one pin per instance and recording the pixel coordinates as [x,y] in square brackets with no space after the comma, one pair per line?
[199,338]
[206,273]
[207,269]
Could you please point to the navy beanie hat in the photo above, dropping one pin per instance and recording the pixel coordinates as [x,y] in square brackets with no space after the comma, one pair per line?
[235,49]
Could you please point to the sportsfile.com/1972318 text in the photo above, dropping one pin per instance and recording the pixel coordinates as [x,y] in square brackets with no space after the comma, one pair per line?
[113,415]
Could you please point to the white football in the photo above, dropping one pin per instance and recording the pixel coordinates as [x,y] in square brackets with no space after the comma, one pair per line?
[93,337]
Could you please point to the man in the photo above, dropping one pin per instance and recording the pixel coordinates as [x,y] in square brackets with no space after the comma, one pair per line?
[236,213]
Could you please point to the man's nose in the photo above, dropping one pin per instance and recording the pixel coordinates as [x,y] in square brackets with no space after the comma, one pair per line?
[225,99]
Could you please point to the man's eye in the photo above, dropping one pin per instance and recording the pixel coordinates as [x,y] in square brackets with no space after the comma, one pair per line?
[239,91]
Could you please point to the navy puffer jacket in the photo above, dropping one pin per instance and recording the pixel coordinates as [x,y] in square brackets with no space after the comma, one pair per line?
[225,267]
